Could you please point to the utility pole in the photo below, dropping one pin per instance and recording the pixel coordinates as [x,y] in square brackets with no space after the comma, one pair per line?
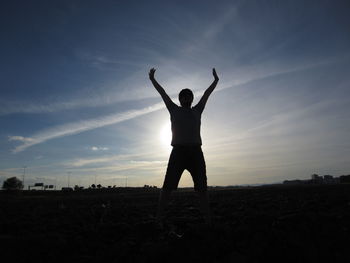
[69,173]
[24,173]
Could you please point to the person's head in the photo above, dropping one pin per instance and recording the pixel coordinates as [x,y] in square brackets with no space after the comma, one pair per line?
[186,97]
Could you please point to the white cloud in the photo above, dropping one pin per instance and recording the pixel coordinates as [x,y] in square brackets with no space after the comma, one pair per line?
[85,125]
[96,148]
[81,126]
[21,139]
[98,100]
[217,27]
[125,166]
[107,159]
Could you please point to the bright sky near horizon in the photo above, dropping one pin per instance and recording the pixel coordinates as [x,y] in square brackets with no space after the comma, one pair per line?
[75,98]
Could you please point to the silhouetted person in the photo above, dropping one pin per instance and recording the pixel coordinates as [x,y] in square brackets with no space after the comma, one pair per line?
[186,141]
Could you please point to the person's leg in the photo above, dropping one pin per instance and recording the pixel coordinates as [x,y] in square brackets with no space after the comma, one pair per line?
[197,168]
[171,180]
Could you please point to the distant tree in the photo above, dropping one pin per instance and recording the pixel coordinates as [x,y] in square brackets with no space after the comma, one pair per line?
[344,179]
[93,186]
[12,183]
[76,187]
[99,186]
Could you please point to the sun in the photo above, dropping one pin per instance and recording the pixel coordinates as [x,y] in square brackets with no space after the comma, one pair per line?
[165,134]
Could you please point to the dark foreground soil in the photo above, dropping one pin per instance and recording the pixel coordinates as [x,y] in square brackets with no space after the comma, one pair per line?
[286,224]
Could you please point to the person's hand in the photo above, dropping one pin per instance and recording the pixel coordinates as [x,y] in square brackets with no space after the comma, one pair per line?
[151,73]
[215,75]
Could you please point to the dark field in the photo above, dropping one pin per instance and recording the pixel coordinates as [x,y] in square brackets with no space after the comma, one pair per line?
[288,224]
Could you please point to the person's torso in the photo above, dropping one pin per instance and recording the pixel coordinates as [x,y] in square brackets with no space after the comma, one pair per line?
[185,126]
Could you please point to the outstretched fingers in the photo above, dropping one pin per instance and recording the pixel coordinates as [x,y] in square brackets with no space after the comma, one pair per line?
[215,75]
[151,72]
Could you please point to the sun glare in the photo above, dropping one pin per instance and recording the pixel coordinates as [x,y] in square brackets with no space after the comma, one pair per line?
[165,134]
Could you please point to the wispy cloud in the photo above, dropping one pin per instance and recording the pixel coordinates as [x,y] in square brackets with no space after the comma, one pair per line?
[92,161]
[21,139]
[81,126]
[85,125]
[217,26]
[103,61]
[9,173]
[97,100]
[96,148]
[126,166]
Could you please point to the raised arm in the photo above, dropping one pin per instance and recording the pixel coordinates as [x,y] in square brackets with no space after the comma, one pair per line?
[208,91]
[168,102]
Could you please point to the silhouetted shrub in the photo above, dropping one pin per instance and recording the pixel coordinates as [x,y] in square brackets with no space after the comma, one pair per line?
[12,183]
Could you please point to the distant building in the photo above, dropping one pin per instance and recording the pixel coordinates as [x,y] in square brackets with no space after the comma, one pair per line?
[328,179]
[314,176]
[34,187]
[316,179]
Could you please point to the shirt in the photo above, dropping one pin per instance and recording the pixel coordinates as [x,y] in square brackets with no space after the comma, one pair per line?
[185,124]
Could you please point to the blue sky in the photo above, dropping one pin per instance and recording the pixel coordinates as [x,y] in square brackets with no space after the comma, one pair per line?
[75,95]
